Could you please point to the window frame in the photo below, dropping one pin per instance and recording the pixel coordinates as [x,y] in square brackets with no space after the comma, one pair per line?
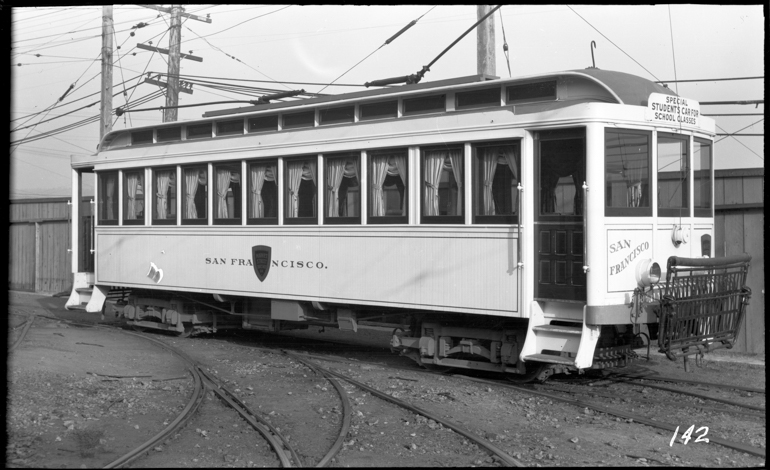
[610,211]
[237,200]
[348,220]
[101,201]
[386,219]
[262,220]
[199,220]
[441,219]
[313,220]
[124,202]
[685,189]
[154,194]
[704,211]
[477,185]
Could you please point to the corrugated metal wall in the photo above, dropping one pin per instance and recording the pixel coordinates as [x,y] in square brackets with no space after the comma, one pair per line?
[740,228]
[39,237]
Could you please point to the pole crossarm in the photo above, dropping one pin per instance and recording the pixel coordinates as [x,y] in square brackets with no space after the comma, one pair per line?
[186,15]
[166,51]
[184,87]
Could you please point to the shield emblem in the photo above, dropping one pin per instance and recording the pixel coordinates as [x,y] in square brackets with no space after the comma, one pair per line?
[260,257]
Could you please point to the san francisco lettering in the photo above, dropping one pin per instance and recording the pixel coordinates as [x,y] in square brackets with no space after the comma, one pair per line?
[629,258]
[275,263]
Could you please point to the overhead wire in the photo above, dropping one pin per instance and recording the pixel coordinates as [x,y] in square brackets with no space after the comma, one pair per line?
[505,44]
[391,39]
[608,39]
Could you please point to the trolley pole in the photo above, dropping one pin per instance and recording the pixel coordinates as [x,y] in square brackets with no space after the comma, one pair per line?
[174,46]
[105,110]
[485,42]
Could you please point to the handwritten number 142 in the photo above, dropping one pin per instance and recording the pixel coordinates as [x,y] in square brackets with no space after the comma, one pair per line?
[688,435]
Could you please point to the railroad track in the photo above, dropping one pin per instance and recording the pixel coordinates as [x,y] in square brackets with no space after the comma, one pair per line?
[287,456]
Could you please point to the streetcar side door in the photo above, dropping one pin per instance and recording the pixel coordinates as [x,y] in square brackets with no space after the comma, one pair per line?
[560,165]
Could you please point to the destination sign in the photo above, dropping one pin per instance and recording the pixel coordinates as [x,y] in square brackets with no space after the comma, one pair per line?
[673,110]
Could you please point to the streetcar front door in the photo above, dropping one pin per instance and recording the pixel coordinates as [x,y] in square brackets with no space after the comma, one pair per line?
[560,163]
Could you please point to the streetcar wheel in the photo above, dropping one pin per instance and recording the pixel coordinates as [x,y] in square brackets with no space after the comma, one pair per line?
[534,373]
[187,332]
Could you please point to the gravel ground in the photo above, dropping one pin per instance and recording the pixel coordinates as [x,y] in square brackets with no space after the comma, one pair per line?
[80,397]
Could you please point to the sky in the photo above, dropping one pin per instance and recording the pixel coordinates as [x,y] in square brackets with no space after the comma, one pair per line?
[56,63]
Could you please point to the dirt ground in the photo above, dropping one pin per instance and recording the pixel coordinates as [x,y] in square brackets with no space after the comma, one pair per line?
[80,396]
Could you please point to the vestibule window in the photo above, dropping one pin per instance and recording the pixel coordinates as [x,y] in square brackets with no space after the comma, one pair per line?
[301,191]
[497,179]
[108,198]
[133,197]
[164,196]
[627,173]
[195,200]
[388,189]
[701,165]
[673,176]
[343,189]
[227,193]
[263,193]
[442,185]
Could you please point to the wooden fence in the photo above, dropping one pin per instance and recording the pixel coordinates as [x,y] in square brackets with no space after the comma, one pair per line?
[739,228]
[39,240]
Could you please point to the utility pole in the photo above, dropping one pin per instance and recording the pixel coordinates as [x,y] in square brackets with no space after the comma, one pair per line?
[174,46]
[485,42]
[174,56]
[105,110]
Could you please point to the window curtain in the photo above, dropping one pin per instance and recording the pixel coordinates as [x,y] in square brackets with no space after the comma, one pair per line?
[509,154]
[223,184]
[191,187]
[379,172]
[295,178]
[489,166]
[434,165]
[400,164]
[109,187]
[456,160]
[335,171]
[132,183]
[259,174]
[162,179]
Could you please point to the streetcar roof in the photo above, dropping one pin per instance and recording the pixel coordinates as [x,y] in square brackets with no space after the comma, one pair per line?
[604,86]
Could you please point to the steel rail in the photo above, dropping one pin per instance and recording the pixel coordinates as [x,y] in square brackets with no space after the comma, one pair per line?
[693,394]
[622,414]
[276,440]
[192,406]
[27,326]
[511,461]
[346,408]
[688,381]
[598,393]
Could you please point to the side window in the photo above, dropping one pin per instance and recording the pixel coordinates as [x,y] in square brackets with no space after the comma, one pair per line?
[164,196]
[442,184]
[133,197]
[262,198]
[673,176]
[701,165]
[227,193]
[108,198]
[627,173]
[194,202]
[343,189]
[388,188]
[301,191]
[497,180]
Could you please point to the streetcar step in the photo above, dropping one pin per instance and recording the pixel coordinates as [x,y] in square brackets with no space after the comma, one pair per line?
[550,358]
[571,330]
